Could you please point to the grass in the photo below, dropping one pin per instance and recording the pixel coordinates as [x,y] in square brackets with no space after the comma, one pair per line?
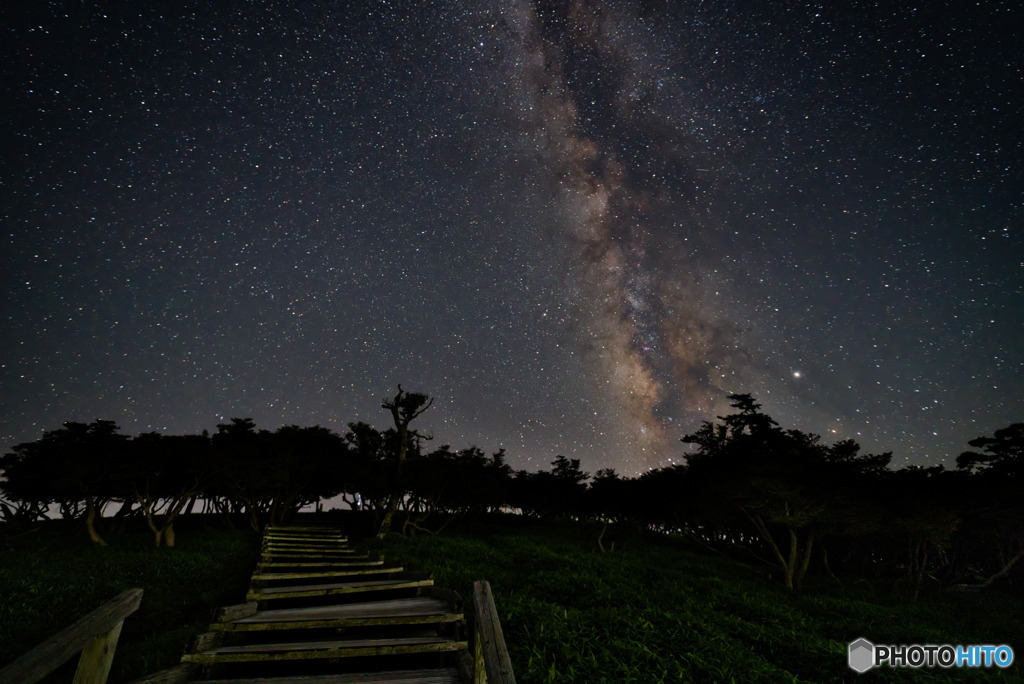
[49,579]
[654,610]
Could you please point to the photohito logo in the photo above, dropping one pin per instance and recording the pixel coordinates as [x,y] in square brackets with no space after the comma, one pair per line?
[864,655]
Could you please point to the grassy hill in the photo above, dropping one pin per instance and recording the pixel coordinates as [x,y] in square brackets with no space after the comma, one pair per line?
[654,609]
[657,610]
[50,579]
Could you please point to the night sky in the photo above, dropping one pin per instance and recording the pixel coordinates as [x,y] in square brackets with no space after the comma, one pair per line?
[578,225]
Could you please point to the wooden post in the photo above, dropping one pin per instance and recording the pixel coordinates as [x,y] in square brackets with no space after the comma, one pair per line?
[491,663]
[95,636]
[97,656]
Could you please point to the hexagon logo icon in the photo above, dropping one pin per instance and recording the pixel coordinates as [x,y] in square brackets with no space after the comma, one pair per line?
[862,655]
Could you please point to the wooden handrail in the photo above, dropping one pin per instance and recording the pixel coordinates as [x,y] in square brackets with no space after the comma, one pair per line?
[491,664]
[95,636]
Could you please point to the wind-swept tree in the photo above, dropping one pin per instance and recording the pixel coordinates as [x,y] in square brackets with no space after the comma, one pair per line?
[163,473]
[995,492]
[271,475]
[72,467]
[365,482]
[556,493]
[610,499]
[446,484]
[782,483]
[405,407]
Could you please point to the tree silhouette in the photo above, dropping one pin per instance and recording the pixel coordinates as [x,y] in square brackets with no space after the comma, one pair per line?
[163,474]
[548,494]
[71,467]
[781,482]
[405,407]
[1003,452]
[996,496]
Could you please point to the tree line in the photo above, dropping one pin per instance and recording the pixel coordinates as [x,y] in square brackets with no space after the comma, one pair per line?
[776,497]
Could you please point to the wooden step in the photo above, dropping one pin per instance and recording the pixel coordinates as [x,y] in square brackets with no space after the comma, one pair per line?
[335,589]
[318,543]
[311,558]
[335,550]
[284,550]
[305,544]
[319,650]
[408,611]
[362,561]
[372,569]
[300,553]
[304,536]
[442,675]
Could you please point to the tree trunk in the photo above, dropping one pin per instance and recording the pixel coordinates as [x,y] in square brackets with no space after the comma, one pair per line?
[600,537]
[921,568]
[169,535]
[762,528]
[389,514]
[824,562]
[987,583]
[158,534]
[254,520]
[806,561]
[90,522]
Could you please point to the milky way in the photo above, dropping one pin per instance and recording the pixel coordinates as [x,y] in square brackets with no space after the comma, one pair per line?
[579,225]
[659,352]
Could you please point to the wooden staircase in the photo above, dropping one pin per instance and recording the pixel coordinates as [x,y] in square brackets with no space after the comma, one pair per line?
[318,611]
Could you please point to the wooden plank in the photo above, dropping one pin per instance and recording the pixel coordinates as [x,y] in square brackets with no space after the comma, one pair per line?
[393,606]
[321,650]
[443,675]
[179,674]
[97,656]
[314,558]
[410,611]
[274,593]
[240,610]
[326,645]
[306,537]
[341,623]
[306,548]
[316,553]
[371,570]
[403,576]
[324,566]
[492,663]
[347,563]
[449,596]
[55,651]
[308,544]
[326,555]
[309,548]
[205,642]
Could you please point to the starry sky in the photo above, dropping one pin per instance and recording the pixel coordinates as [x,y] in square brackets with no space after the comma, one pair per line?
[578,224]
